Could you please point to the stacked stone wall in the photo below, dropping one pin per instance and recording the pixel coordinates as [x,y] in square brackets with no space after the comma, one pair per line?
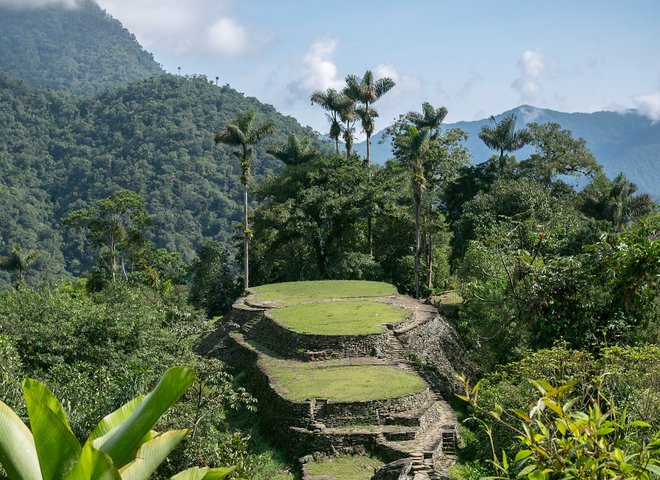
[305,346]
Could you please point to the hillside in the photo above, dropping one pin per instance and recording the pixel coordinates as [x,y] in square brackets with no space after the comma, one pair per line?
[60,153]
[622,142]
[81,50]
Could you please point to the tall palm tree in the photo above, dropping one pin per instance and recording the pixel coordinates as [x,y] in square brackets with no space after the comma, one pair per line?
[504,137]
[295,152]
[334,102]
[430,119]
[242,132]
[366,91]
[411,145]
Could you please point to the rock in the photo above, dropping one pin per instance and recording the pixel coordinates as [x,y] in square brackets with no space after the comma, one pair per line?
[397,470]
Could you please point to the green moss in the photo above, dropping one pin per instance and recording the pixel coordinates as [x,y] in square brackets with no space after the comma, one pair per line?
[354,467]
[298,381]
[339,318]
[298,292]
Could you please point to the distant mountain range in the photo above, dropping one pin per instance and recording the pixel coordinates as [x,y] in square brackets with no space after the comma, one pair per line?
[622,142]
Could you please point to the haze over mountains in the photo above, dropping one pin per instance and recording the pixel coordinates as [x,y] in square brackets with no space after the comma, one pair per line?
[622,142]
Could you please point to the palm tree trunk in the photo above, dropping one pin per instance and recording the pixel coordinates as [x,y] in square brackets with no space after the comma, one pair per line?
[429,250]
[417,245]
[370,235]
[337,145]
[368,150]
[246,268]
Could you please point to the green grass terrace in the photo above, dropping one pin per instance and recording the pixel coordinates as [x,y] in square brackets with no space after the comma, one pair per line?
[345,467]
[312,291]
[298,381]
[352,317]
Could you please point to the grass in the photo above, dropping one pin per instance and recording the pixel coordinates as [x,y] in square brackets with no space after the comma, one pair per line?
[298,292]
[298,381]
[339,318]
[345,467]
[450,298]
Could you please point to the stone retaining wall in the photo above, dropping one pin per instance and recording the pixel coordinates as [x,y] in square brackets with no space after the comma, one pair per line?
[306,347]
[339,414]
[436,347]
[302,414]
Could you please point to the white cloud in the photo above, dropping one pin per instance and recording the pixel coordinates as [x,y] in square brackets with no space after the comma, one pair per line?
[199,28]
[386,70]
[405,84]
[38,3]
[531,66]
[229,38]
[317,71]
[649,105]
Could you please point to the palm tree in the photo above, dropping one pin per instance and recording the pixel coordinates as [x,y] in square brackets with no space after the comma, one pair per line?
[19,261]
[430,119]
[504,137]
[411,145]
[615,200]
[243,133]
[366,92]
[296,151]
[334,102]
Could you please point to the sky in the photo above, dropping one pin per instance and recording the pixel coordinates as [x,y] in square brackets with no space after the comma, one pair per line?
[475,57]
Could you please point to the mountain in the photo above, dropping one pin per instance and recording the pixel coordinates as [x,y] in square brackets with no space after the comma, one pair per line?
[81,50]
[60,152]
[622,142]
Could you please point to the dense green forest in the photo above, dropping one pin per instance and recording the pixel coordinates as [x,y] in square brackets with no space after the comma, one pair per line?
[550,282]
[121,248]
[61,153]
[80,50]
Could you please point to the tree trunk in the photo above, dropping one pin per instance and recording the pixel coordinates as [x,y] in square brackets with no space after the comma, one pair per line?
[246,268]
[417,242]
[337,145]
[429,260]
[368,150]
[429,250]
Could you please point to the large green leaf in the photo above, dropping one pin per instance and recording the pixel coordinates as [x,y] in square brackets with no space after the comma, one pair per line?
[93,464]
[204,473]
[18,455]
[126,438]
[114,420]
[151,454]
[57,448]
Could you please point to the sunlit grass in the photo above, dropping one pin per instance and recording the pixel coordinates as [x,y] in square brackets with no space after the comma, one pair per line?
[297,292]
[298,381]
[339,318]
[354,467]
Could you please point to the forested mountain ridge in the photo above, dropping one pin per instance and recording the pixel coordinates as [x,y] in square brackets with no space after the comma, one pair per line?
[82,50]
[60,153]
[622,142]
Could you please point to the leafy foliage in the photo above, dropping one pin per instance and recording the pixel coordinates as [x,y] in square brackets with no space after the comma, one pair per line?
[81,50]
[121,446]
[61,154]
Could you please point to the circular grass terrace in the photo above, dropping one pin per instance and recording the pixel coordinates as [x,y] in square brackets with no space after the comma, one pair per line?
[352,317]
[299,381]
[344,467]
[312,291]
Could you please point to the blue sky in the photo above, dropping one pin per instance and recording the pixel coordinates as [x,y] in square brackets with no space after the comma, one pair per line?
[476,57]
